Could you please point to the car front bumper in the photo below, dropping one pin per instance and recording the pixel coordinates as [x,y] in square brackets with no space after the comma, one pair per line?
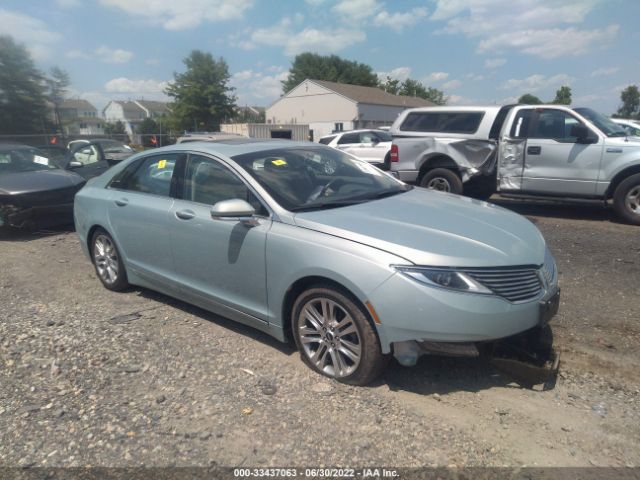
[409,310]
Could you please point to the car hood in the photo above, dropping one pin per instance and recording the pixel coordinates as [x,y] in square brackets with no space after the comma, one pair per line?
[434,228]
[630,141]
[42,180]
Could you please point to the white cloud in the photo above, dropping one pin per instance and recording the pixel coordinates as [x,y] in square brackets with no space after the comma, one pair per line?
[400,20]
[461,100]
[31,31]
[494,62]
[257,87]
[536,82]
[605,72]
[546,28]
[180,15]
[356,9]
[474,77]
[452,84]
[327,40]
[104,54]
[138,87]
[435,77]
[400,73]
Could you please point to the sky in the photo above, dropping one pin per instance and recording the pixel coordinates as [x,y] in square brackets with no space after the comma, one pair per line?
[476,51]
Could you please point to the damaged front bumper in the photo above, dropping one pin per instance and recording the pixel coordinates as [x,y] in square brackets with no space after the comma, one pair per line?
[16,216]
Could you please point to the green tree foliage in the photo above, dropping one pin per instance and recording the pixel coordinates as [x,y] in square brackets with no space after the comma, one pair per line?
[630,107]
[528,99]
[330,68]
[390,85]
[57,88]
[202,97]
[413,88]
[23,107]
[116,128]
[563,96]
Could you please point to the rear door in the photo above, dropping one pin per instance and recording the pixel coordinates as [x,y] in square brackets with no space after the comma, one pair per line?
[511,152]
[350,143]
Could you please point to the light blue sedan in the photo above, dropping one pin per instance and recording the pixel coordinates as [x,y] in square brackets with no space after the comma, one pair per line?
[306,242]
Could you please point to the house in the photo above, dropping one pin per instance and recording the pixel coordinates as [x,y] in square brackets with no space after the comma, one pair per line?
[329,106]
[132,113]
[78,116]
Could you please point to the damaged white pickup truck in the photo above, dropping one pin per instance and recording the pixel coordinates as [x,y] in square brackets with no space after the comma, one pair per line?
[547,151]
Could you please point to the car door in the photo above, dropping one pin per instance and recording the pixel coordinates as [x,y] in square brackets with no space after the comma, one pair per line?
[350,143]
[88,161]
[367,150]
[220,262]
[558,160]
[140,215]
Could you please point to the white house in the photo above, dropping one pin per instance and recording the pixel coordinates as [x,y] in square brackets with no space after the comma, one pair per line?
[131,113]
[329,106]
[80,117]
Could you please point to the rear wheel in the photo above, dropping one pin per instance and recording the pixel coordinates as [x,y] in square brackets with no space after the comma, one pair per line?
[107,261]
[442,180]
[626,199]
[386,166]
[335,338]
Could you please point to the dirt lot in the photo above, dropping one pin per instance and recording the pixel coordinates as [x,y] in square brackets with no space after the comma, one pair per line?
[90,377]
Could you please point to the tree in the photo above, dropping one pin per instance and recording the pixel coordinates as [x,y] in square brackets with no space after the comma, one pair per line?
[528,99]
[57,85]
[390,85]
[23,107]
[330,68]
[202,95]
[630,107]
[563,96]
[414,88]
[116,128]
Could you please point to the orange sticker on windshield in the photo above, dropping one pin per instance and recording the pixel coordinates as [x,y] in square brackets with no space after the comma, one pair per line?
[162,163]
[278,162]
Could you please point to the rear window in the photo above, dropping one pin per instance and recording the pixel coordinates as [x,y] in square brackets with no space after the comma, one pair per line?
[449,122]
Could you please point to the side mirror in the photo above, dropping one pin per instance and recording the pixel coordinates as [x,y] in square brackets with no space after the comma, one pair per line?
[582,134]
[234,209]
[74,164]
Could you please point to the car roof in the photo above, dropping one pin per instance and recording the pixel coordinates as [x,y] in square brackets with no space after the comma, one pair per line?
[11,145]
[233,147]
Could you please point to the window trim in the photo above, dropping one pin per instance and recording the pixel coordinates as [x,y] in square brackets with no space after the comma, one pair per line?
[482,114]
[183,177]
[137,164]
[536,118]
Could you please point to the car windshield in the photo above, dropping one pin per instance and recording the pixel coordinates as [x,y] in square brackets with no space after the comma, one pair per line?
[311,178]
[23,159]
[111,146]
[605,124]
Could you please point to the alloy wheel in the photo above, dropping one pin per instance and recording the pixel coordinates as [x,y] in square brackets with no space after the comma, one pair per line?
[105,257]
[440,184]
[632,200]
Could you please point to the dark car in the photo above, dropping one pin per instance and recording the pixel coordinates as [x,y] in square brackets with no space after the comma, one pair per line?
[86,159]
[34,190]
[114,151]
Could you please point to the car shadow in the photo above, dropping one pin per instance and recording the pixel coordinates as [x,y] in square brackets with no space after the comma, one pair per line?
[27,235]
[253,333]
[547,208]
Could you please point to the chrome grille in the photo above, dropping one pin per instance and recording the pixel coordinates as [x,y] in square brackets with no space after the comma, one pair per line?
[515,284]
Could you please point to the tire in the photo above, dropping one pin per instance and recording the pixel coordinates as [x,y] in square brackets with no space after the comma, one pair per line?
[107,261]
[386,165]
[626,199]
[442,180]
[322,342]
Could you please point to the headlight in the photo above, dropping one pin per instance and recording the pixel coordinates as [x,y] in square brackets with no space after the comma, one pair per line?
[444,278]
[549,268]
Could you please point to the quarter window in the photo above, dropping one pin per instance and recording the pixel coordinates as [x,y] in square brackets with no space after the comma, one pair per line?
[149,175]
[349,138]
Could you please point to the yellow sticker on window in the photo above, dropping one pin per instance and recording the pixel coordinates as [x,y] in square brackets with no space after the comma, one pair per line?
[162,163]
[278,162]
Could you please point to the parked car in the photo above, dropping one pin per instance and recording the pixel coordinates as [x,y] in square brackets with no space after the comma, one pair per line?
[354,265]
[632,127]
[114,151]
[372,146]
[541,151]
[208,137]
[34,191]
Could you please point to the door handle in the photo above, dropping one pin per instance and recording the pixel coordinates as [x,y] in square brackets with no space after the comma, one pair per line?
[534,150]
[122,202]
[185,214]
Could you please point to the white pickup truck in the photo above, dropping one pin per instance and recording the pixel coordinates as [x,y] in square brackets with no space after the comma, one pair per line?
[548,151]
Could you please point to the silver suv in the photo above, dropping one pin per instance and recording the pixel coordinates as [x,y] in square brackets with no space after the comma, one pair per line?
[372,146]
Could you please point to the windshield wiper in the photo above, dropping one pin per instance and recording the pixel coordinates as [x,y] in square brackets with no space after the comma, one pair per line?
[324,205]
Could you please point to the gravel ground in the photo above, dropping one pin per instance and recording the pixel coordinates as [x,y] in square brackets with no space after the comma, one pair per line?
[94,378]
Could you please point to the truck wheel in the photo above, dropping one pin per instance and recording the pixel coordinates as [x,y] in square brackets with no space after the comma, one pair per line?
[386,166]
[443,180]
[626,199]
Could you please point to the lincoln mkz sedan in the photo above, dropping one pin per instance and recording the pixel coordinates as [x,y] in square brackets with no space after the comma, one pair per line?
[351,263]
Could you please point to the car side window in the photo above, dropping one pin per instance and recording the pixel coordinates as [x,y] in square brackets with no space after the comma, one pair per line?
[148,175]
[209,182]
[367,137]
[555,125]
[520,125]
[326,140]
[349,138]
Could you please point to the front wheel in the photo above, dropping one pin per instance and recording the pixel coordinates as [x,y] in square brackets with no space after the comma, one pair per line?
[335,338]
[442,180]
[107,261]
[626,199]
